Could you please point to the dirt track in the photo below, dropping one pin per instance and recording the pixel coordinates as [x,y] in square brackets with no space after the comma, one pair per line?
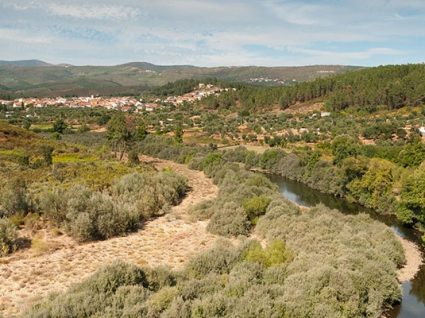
[169,240]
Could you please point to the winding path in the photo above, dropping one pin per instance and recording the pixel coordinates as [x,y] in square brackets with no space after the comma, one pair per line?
[169,240]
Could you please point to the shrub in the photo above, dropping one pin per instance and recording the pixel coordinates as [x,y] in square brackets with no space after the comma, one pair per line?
[274,254]
[162,299]
[59,126]
[230,220]
[256,206]
[8,237]
[90,215]
[133,158]
[47,152]
[220,259]
[326,250]
[100,217]
[338,265]
[113,291]
[159,277]
[14,198]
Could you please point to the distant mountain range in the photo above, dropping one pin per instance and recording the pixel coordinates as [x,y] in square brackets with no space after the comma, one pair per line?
[24,63]
[37,78]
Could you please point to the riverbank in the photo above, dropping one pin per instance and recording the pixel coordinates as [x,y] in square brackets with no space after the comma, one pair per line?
[413,254]
[413,260]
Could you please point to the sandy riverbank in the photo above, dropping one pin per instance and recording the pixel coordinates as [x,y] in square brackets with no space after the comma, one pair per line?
[413,260]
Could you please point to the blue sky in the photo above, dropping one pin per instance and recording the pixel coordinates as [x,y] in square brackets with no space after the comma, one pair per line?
[214,32]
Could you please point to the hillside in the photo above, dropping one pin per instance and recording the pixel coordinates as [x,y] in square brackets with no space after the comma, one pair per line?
[391,86]
[27,78]
[24,63]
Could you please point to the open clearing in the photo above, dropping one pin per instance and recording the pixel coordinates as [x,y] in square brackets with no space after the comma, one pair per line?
[27,276]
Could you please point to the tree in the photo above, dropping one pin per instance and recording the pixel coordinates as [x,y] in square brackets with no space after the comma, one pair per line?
[344,147]
[118,134]
[412,205]
[141,132]
[47,152]
[103,120]
[178,134]
[413,154]
[59,126]
[26,124]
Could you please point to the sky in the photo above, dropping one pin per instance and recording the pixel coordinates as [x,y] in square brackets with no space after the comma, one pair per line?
[214,32]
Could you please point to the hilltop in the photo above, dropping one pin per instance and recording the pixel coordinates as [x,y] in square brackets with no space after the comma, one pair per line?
[39,79]
[24,63]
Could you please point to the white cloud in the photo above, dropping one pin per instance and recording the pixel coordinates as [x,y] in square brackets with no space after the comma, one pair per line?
[22,36]
[93,11]
[215,32]
[332,57]
[78,9]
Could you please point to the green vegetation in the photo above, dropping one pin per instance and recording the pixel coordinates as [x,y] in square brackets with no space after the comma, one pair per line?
[306,263]
[14,198]
[412,204]
[89,196]
[132,78]
[8,237]
[393,86]
[176,88]
[372,182]
[299,278]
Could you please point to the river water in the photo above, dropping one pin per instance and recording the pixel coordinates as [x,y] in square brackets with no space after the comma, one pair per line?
[413,301]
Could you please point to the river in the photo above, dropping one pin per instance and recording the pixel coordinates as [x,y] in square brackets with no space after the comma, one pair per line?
[413,301]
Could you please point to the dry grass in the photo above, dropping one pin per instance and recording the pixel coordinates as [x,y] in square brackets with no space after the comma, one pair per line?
[170,240]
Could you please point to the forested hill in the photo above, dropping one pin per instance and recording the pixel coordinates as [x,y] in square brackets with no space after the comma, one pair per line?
[37,79]
[392,86]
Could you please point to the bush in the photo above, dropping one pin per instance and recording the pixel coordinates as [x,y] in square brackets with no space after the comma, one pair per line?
[91,215]
[326,250]
[249,281]
[338,265]
[114,291]
[220,259]
[229,220]
[256,206]
[14,198]
[47,152]
[8,237]
[229,216]
[274,254]
[133,158]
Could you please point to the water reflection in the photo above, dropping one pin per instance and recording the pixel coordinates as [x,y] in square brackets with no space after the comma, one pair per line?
[413,303]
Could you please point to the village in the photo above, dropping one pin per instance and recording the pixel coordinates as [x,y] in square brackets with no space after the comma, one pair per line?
[124,103]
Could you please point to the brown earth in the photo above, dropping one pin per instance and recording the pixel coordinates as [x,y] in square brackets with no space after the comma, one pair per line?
[304,108]
[32,274]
